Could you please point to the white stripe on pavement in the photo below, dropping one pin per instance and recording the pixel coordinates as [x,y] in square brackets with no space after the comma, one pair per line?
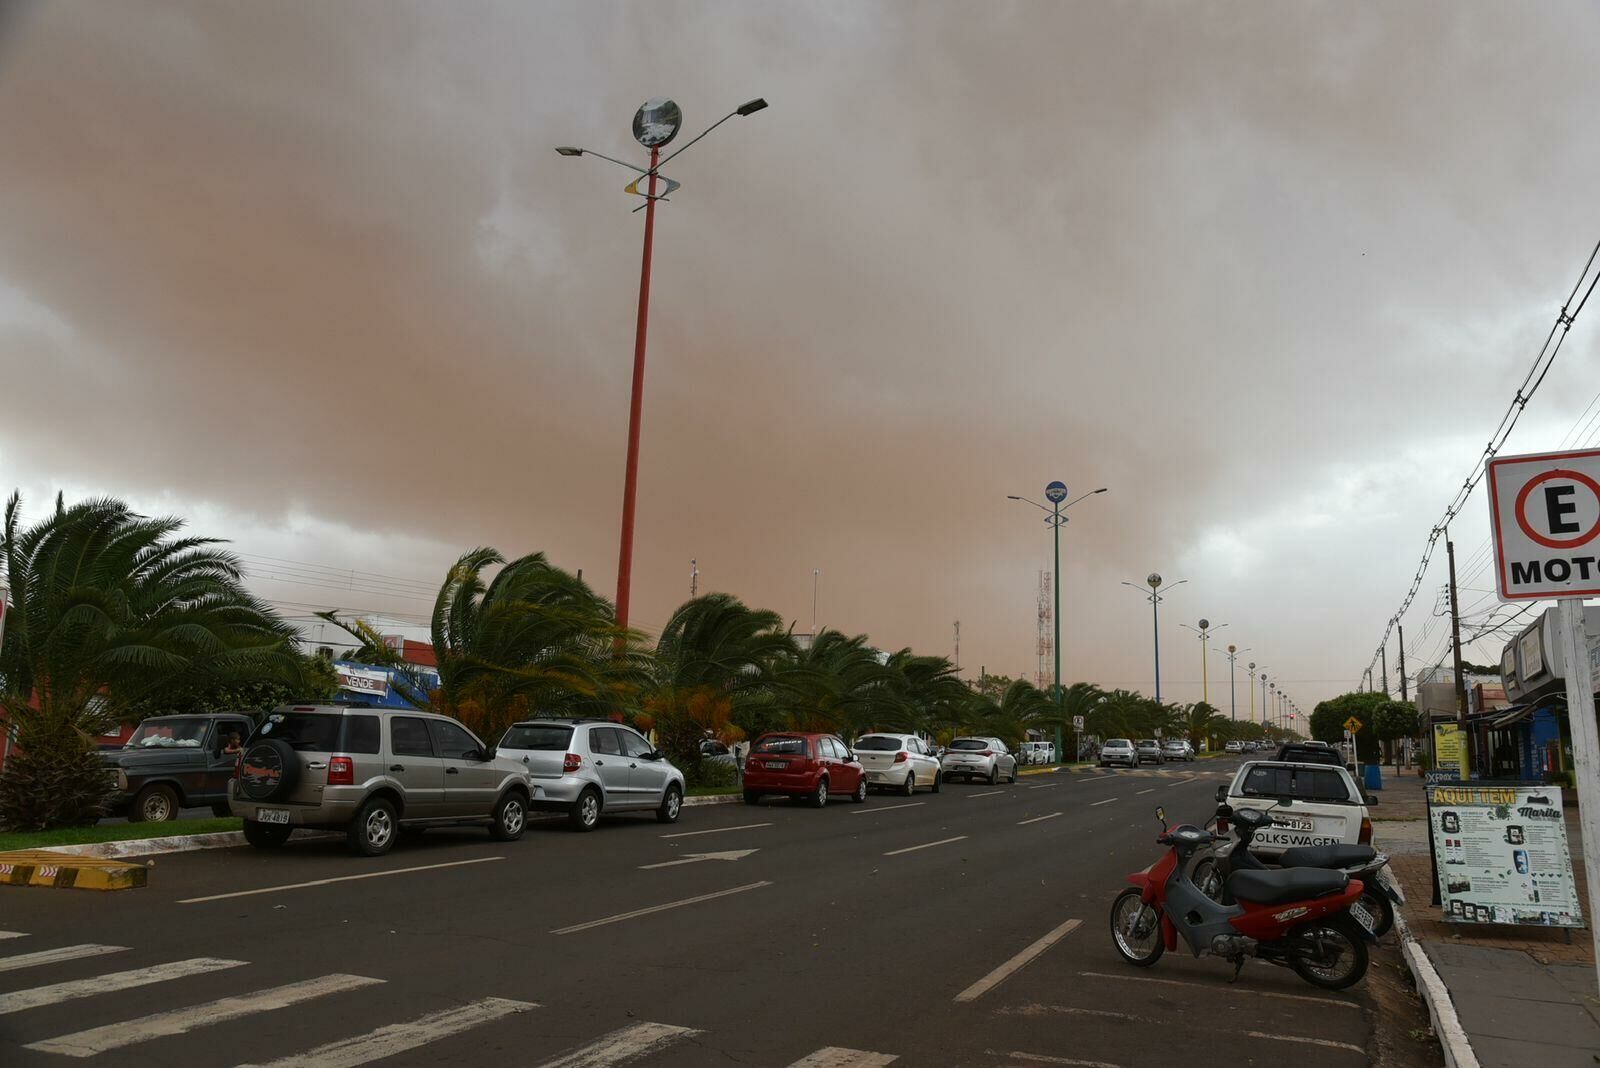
[1231,989]
[182,1021]
[987,793]
[1180,782]
[1072,1010]
[114,981]
[925,845]
[622,1046]
[839,1057]
[659,908]
[1149,791]
[886,808]
[398,1038]
[1015,964]
[1045,1058]
[338,879]
[12,934]
[1044,786]
[56,956]
[717,830]
[1097,804]
[1036,819]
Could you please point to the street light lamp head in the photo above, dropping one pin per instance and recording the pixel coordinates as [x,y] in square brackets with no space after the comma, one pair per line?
[568,150]
[1252,665]
[1102,489]
[1154,579]
[758,104]
[1205,623]
[1233,648]
[657,122]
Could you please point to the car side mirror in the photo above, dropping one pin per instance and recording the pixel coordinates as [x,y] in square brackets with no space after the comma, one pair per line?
[654,754]
[1222,793]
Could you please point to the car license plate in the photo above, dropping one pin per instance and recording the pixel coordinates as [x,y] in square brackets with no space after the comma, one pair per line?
[776,765]
[272,815]
[1363,917]
[1291,824]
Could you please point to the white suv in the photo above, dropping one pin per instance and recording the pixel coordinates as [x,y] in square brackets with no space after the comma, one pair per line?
[1316,805]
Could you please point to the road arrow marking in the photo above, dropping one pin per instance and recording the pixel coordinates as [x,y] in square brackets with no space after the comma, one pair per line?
[695,858]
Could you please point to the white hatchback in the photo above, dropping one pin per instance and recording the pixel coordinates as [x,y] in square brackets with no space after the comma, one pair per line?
[899,762]
[1316,804]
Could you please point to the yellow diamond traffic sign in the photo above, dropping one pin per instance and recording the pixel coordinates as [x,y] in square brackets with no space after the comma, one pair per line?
[1352,724]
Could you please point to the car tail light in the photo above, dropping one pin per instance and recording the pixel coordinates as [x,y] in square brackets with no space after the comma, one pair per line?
[1366,831]
[901,757]
[571,762]
[341,771]
[987,753]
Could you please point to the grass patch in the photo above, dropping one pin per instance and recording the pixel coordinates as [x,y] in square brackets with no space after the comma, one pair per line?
[715,791]
[113,832]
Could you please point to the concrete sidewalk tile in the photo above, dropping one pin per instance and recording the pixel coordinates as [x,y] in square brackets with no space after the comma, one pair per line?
[1496,1016]
[1504,972]
[1523,1053]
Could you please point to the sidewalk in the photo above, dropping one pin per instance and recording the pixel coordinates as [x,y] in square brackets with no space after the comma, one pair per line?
[1522,995]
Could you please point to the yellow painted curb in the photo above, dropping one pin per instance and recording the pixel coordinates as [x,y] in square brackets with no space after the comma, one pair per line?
[42,867]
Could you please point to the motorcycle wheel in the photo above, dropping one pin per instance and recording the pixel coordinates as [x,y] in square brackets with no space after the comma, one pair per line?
[1345,945]
[1136,929]
[1375,901]
[1208,879]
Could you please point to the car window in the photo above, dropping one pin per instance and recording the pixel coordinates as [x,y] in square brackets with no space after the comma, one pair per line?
[408,736]
[604,741]
[538,737]
[169,734]
[878,744]
[229,736]
[635,746]
[450,741]
[360,734]
[787,744]
[306,732]
[831,749]
[970,745]
[1302,784]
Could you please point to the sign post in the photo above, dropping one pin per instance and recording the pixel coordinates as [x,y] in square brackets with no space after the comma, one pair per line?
[1545,510]
[1077,740]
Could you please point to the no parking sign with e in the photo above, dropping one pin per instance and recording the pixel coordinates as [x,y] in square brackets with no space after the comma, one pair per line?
[1546,515]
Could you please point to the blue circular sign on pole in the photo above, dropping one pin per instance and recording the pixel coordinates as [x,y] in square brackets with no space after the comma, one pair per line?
[1056,492]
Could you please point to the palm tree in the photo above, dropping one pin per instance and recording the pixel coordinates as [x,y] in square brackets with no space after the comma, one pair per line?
[923,693]
[1201,721]
[837,683]
[110,612]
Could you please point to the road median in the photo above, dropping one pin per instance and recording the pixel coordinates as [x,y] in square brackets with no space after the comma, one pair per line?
[47,867]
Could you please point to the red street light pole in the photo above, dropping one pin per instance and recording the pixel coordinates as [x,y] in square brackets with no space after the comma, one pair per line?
[654,125]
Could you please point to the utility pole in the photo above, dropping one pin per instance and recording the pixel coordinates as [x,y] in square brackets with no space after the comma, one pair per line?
[694,579]
[958,646]
[1455,641]
[1401,628]
[816,576]
[1383,654]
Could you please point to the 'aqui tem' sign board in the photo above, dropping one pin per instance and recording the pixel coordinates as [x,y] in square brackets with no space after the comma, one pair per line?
[1546,515]
[1501,854]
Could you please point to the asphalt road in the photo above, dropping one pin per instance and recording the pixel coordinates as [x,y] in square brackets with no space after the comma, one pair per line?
[963,928]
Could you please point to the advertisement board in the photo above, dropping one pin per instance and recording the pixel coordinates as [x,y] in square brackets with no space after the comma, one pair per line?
[362,680]
[1500,851]
[1449,752]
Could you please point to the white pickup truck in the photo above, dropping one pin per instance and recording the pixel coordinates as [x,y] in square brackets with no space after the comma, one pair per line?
[1316,804]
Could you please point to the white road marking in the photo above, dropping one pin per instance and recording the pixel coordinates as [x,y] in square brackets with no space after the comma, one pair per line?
[990,793]
[695,858]
[839,1057]
[12,934]
[1097,804]
[1180,782]
[1072,1010]
[622,1046]
[717,830]
[398,1038]
[182,1021]
[1328,1042]
[1149,791]
[659,908]
[1046,786]
[886,808]
[925,845]
[56,956]
[110,983]
[1045,1058]
[1036,819]
[1010,967]
[338,879]
[1232,989]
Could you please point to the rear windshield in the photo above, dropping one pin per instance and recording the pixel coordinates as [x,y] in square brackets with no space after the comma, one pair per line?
[880,744]
[1117,743]
[1302,784]
[322,732]
[969,744]
[539,737]
[1147,742]
[792,746]
[1310,755]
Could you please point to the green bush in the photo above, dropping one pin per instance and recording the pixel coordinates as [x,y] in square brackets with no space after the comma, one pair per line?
[711,773]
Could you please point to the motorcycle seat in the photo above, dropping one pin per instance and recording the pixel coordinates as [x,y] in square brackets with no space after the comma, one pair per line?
[1327,856]
[1285,884]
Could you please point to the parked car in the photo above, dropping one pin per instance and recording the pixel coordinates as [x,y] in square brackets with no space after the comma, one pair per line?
[1118,751]
[714,752]
[898,761]
[584,768]
[371,772]
[1038,753]
[1177,749]
[1233,747]
[1315,804]
[806,764]
[1309,753]
[176,762]
[988,759]
[1150,751]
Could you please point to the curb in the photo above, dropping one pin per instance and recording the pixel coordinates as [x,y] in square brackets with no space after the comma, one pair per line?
[1453,1040]
[43,867]
[712,799]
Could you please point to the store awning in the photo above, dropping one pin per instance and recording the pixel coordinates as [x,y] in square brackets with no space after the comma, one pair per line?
[1512,716]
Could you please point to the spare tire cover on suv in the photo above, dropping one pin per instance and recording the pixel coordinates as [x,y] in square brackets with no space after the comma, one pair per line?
[269,770]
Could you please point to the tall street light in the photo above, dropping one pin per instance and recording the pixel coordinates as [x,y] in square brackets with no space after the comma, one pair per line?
[655,124]
[1233,693]
[1252,689]
[1205,631]
[1263,697]
[1055,493]
[1153,580]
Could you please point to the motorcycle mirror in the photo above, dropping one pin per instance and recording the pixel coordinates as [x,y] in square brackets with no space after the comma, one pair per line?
[1161,814]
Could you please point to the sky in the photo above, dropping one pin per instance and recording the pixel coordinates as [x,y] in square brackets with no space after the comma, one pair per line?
[312,277]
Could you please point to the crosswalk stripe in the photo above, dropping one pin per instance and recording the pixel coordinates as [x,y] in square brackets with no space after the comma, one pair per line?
[839,1057]
[398,1038]
[12,934]
[55,956]
[182,1021]
[114,981]
[622,1046]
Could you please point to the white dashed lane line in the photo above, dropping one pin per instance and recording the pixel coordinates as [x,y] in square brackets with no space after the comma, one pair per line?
[1036,819]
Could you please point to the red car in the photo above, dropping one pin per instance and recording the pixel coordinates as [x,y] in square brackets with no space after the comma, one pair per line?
[803,764]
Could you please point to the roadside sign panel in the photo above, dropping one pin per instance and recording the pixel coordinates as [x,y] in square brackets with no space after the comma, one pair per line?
[1500,851]
[1545,510]
[1077,723]
[1352,724]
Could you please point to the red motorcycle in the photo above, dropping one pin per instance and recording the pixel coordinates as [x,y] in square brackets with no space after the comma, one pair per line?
[1293,917]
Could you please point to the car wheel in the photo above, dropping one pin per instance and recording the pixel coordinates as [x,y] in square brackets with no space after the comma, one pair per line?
[266,835]
[671,805]
[372,833]
[910,787]
[860,796]
[221,811]
[1012,779]
[751,797]
[154,804]
[585,812]
[510,818]
[994,776]
[938,780]
[819,797]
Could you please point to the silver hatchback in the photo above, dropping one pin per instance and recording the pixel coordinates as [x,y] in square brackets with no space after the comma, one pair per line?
[586,767]
[369,772]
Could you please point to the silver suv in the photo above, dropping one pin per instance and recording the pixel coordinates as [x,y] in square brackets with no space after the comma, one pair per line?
[585,767]
[370,772]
